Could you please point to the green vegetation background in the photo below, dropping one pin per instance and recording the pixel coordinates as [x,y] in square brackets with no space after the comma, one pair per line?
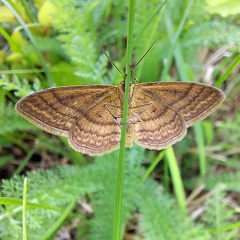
[190,191]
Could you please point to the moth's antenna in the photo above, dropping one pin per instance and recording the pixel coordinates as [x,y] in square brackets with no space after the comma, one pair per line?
[110,60]
[133,67]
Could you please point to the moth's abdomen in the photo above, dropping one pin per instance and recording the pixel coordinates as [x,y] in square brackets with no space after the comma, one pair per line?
[130,135]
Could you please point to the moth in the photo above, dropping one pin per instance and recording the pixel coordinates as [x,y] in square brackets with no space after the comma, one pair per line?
[91,116]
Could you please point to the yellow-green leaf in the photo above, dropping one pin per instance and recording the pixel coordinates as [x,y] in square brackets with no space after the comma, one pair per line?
[223,7]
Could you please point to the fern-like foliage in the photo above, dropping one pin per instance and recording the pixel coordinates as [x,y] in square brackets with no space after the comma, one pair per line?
[160,217]
[21,87]
[219,213]
[55,189]
[10,120]
[229,179]
[17,122]
[211,34]
[78,34]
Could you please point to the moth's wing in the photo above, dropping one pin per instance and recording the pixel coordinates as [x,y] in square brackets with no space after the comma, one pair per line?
[193,101]
[159,126]
[55,110]
[98,131]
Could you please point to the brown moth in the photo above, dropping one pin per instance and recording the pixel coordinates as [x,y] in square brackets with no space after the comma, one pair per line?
[91,116]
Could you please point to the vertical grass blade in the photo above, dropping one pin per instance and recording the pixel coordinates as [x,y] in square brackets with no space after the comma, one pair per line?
[117,224]
[24,221]
[176,178]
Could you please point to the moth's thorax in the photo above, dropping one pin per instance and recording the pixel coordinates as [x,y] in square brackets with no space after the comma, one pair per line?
[131,93]
[121,89]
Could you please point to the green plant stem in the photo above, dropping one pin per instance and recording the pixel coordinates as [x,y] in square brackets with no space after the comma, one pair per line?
[24,209]
[117,224]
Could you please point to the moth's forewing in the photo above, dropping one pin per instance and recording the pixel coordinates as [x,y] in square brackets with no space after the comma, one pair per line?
[61,110]
[175,106]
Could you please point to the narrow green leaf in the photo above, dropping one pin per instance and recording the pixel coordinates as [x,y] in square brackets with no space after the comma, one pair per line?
[176,178]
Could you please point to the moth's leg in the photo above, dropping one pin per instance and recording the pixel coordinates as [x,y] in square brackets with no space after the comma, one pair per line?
[134,77]
[132,89]
[138,113]
[115,116]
